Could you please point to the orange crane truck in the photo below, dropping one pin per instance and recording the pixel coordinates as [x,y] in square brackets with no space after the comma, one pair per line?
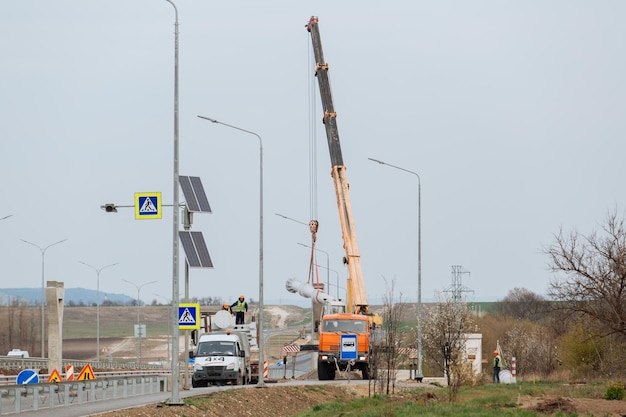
[344,338]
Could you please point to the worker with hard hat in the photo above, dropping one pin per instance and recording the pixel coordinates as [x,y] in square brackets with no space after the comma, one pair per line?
[497,364]
[226,307]
[240,307]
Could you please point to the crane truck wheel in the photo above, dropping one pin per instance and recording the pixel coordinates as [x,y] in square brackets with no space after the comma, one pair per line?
[325,371]
[365,371]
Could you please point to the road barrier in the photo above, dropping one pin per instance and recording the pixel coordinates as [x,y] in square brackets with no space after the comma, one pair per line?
[42,363]
[32,397]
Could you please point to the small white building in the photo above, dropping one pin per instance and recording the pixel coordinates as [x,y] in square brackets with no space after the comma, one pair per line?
[474,351]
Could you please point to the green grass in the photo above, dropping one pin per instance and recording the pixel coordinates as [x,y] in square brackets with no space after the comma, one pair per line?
[480,401]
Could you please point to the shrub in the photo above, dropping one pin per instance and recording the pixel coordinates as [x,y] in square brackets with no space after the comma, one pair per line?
[615,391]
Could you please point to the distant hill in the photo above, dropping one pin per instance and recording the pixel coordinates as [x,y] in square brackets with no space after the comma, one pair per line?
[72,296]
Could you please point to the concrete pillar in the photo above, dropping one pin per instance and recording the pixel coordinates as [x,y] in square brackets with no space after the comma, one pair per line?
[55,294]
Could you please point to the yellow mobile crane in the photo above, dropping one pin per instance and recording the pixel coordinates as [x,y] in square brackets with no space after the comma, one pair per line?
[338,331]
[357,299]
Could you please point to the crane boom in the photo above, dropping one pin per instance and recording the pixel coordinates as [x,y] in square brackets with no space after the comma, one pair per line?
[357,299]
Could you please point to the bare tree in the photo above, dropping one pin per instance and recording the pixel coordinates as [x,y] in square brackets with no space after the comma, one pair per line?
[18,326]
[594,268]
[386,352]
[521,303]
[444,339]
[533,346]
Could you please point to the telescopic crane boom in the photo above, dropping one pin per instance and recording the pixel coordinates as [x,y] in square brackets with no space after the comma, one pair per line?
[356,297]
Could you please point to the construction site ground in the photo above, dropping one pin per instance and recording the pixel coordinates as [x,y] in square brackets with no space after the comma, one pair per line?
[278,400]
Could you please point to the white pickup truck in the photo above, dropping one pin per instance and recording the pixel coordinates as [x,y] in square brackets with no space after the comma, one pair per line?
[18,353]
[221,358]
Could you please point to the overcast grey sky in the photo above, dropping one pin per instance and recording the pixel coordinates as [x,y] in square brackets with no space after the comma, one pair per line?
[511,112]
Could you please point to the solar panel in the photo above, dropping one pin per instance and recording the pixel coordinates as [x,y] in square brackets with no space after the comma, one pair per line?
[195,249]
[195,196]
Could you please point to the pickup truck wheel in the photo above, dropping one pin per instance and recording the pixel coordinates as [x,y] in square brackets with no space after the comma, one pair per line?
[196,384]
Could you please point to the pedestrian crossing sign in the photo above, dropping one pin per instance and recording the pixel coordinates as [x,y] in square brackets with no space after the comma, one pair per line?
[148,206]
[188,316]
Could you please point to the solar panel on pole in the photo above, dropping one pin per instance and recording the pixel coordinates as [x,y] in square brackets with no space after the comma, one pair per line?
[195,249]
[195,197]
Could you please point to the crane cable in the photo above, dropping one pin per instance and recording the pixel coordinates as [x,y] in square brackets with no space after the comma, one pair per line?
[313,224]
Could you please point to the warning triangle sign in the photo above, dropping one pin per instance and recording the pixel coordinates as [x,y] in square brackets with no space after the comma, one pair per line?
[148,206]
[187,317]
[54,376]
[86,373]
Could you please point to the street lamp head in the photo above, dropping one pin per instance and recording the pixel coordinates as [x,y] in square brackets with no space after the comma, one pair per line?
[209,119]
[261,344]
[109,208]
[376,160]
[98,269]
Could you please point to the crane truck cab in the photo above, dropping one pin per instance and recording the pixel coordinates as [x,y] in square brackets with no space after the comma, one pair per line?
[332,328]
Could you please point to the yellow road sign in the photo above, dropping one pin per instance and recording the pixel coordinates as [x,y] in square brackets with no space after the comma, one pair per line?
[148,206]
[188,316]
[86,373]
[55,376]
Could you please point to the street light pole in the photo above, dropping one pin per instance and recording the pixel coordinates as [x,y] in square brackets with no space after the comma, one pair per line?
[175,366]
[43,291]
[337,275]
[327,267]
[419,375]
[169,317]
[138,321]
[97,304]
[260,382]
[289,218]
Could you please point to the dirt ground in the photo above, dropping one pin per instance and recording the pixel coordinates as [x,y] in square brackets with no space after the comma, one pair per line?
[582,406]
[277,400]
[272,401]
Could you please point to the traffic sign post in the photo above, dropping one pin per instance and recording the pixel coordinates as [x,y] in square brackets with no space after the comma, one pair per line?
[348,346]
[86,373]
[55,376]
[148,206]
[188,316]
[27,376]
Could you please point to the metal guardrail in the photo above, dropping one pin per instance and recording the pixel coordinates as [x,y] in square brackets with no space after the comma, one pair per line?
[279,373]
[12,379]
[33,397]
[42,363]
